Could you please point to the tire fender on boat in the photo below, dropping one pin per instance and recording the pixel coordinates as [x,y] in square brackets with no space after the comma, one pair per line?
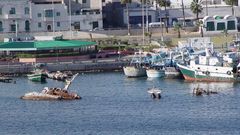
[229,72]
[207,72]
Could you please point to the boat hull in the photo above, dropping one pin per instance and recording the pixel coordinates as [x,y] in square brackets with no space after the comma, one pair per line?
[132,71]
[193,75]
[37,77]
[154,73]
[172,72]
[40,96]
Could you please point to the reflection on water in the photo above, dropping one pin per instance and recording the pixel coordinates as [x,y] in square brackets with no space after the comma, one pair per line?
[213,86]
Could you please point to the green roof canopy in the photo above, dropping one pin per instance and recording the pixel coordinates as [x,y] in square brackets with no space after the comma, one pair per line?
[43,45]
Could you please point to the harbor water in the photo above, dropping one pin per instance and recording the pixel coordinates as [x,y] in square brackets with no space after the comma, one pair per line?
[113,104]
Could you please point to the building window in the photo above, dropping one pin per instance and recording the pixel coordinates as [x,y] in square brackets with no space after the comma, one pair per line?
[1,27]
[39,25]
[58,13]
[58,24]
[39,15]
[231,25]
[221,26]
[26,10]
[12,27]
[84,1]
[12,11]
[210,26]
[0,11]
[27,25]
[49,13]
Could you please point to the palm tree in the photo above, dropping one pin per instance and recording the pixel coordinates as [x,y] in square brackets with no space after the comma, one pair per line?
[196,7]
[128,22]
[232,3]
[165,4]
[177,26]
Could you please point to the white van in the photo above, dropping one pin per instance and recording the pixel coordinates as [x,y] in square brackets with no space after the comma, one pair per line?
[156,24]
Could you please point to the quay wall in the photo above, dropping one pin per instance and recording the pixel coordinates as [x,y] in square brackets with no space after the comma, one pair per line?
[98,66]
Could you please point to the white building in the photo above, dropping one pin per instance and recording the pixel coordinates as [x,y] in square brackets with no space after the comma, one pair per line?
[14,13]
[49,15]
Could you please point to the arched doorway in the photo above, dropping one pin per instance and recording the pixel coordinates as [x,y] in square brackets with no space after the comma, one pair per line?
[27,25]
[49,28]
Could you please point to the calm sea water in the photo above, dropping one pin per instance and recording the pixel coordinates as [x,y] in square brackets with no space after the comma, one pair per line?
[115,105]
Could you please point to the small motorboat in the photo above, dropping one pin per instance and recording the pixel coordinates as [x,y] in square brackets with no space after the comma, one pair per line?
[155,92]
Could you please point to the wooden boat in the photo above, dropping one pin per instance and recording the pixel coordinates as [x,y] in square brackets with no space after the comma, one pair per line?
[37,76]
[53,93]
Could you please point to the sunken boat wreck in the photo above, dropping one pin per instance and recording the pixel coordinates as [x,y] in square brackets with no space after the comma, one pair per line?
[53,93]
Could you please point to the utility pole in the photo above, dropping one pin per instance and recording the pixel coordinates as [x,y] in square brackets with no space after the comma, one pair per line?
[16,28]
[183,14]
[147,17]
[143,27]
[53,19]
[206,7]
[70,18]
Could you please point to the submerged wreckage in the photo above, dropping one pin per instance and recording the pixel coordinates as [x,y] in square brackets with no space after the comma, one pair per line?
[53,93]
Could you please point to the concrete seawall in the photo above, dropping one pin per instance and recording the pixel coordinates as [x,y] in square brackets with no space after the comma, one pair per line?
[98,66]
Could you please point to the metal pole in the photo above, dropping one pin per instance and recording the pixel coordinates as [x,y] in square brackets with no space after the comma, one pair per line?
[53,18]
[206,8]
[147,17]
[183,14]
[70,18]
[16,28]
[143,27]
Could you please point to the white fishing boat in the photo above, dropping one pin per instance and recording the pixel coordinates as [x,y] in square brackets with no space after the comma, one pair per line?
[155,72]
[137,67]
[209,68]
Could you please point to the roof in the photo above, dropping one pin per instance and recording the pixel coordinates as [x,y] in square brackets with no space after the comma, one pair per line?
[43,45]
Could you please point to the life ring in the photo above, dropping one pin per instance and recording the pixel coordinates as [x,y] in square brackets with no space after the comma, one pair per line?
[229,72]
[207,72]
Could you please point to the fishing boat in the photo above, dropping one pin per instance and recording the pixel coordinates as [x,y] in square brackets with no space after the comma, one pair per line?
[209,68]
[137,67]
[53,93]
[155,72]
[37,76]
[172,72]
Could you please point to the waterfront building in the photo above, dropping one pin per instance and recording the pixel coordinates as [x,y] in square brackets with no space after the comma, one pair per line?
[15,13]
[216,24]
[47,49]
[49,15]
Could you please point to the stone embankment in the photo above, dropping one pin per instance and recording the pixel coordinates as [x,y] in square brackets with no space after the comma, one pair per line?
[64,66]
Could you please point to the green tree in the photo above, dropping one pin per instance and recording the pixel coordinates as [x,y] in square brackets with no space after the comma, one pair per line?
[165,4]
[232,3]
[128,22]
[178,27]
[196,7]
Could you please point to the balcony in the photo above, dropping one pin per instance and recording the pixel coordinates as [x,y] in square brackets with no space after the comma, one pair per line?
[14,16]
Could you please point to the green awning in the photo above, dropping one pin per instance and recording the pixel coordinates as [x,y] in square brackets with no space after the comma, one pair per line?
[43,45]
